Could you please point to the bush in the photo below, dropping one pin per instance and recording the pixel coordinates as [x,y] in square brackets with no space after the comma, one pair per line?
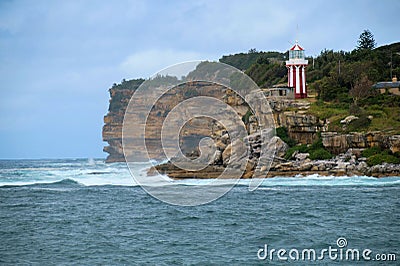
[355,110]
[361,123]
[316,150]
[300,148]
[320,154]
[246,117]
[317,144]
[282,133]
[371,151]
[382,158]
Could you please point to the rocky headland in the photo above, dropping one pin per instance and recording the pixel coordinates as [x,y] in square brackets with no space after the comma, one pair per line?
[347,152]
[348,163]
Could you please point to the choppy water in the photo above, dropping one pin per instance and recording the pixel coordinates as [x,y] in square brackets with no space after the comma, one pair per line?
[88,212]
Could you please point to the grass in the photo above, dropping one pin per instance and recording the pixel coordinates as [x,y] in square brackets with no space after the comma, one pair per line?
[384,118]
[325,110]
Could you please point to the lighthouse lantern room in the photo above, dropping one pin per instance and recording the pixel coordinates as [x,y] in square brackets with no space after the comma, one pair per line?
[296,66]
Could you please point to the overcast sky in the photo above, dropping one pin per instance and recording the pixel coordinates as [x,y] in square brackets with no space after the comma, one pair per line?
[58,58]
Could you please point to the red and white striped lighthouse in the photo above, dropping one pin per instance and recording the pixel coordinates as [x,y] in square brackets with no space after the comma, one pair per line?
[296,66]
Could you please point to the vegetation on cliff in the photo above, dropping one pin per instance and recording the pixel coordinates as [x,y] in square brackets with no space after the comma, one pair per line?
[244,61]
[118,97]
[339,81]
[316,150]
[375,156]
[339,85]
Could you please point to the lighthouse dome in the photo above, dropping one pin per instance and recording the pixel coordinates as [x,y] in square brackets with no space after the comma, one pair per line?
[296,52]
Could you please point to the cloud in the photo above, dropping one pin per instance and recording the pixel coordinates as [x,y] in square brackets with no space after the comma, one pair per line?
[59,57]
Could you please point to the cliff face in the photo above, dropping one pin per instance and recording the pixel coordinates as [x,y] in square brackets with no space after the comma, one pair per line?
[112,129]
[340,143]
[302,127]
[190,134]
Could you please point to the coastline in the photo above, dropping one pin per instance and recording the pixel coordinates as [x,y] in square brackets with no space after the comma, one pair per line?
[288,169]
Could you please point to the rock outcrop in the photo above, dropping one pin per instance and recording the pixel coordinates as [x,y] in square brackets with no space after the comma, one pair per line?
[339,143]
[112,129]
[302,127]
[346,164]
[191,133]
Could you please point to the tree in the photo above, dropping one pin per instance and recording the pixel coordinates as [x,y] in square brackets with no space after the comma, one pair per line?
[366,40]
[352,72]
[361,89]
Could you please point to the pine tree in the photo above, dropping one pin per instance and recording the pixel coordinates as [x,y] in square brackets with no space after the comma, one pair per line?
[366,40]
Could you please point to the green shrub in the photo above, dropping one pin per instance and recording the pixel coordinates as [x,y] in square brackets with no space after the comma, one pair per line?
[371,151]
[382,158]
[317,144]
[361,123]
[246,117]
[320,154]
[355,110]
[300,148]
[316,150]
[282,133]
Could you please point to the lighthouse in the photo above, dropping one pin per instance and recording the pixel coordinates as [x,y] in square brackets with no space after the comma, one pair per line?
[296,66]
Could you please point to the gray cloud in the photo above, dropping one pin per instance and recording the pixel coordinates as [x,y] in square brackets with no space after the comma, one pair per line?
[57,58]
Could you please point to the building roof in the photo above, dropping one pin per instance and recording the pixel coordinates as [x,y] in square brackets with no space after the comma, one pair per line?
[296,47]
[387,84]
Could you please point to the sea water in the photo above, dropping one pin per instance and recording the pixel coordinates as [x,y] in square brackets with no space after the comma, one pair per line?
[88,212]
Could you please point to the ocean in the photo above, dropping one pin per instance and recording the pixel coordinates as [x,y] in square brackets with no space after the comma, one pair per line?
[87,212]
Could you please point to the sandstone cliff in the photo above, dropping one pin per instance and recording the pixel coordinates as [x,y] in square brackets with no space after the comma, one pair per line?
[192,132]
[302,127]
[339,143]
[112,129]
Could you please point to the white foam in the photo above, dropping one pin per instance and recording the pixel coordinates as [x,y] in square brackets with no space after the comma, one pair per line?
[96,173]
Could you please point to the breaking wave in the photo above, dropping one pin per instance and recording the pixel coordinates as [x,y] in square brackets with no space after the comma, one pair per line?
[83,172]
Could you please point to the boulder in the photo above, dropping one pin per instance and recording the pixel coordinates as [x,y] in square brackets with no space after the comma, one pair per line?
[362,167]
[288,166]
[220,145]
[394,143]
[235,154]
[305,166]
[301,156]
[348,119]
[355,152]
[218,157]
[225,138]
[279,145]
[226,154]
